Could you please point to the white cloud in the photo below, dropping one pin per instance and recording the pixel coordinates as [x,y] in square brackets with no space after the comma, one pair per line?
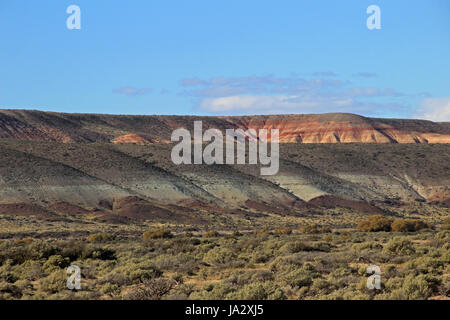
[434,109]
[274,104]
[270,94]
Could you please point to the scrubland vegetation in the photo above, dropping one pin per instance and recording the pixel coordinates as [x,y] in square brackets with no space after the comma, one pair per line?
[309,262]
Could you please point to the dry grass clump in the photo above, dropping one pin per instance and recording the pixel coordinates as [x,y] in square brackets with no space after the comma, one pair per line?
[162,233]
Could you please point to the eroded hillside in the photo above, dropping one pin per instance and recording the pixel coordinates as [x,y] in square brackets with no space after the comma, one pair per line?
[319,128]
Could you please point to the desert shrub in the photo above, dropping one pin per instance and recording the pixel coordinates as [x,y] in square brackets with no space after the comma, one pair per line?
[314,229]
[157,234]
[56,262]
[20,252]
[24,241]
[282,231]
[261,276]
[43,249]
[343,294]
[152,289]
[211,234]
[299,246]
[73,250]
[8,273]
[100,237]
[218,291]
[138,272]
[140,275]
[219,256]
[182,291]
[237,234]
[399,246]
[111,289]
[32,270]
[367,246]
[240,278]
[408,225]
[258,291]
[289,263]
[260,257]
[321,246]
[299,276]
[446,224]
[15,254]
[119,278]
[55,282]
[390,271]
[322,286]
[9,291]
[425,265]
[261,233]
[182,262]
[296,246]
[375,223]
[415,288]
[296,279]
[102,254]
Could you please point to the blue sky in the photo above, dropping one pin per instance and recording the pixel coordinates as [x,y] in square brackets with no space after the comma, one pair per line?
[227,57]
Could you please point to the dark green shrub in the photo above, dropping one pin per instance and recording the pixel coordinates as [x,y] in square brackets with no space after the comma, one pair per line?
[103,254]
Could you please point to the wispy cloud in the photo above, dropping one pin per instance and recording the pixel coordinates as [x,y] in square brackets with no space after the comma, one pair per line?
[271,94]
[131,91]
[434,109]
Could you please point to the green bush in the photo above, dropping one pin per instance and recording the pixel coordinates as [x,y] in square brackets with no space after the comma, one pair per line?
[399,246]
[219,256]
[55,263]
[415,288]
